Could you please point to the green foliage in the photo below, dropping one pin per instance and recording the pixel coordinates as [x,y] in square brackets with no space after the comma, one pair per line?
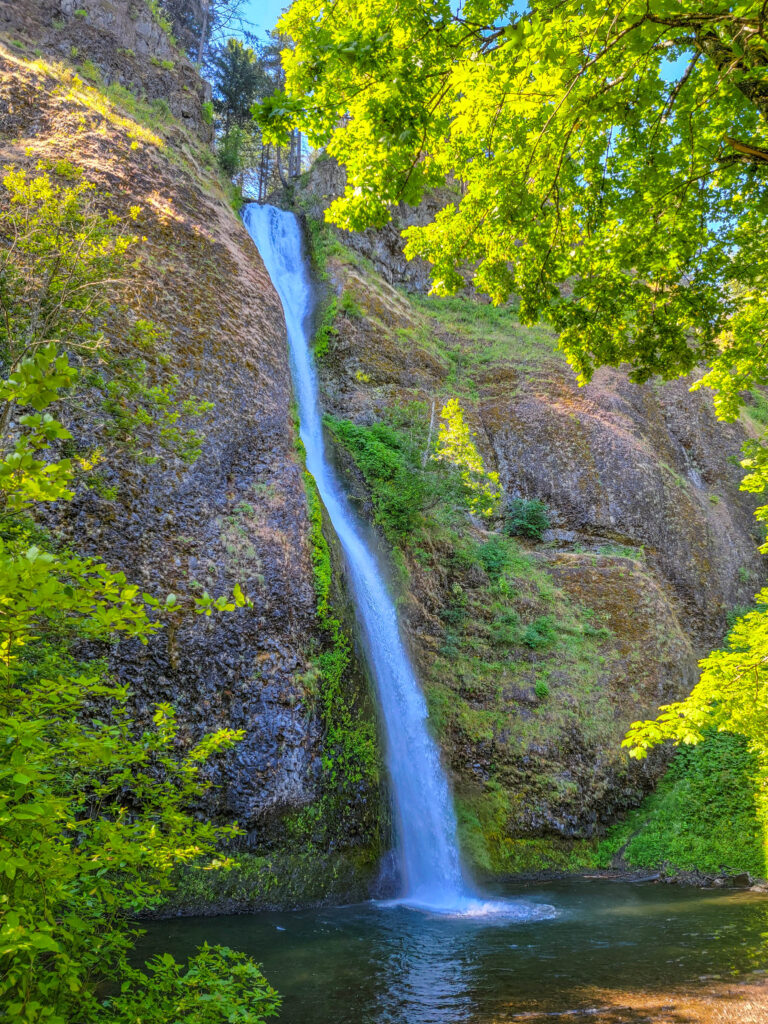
[757,408]
[539,634]
[483,829]
[456,447]
[94,808]
[350,754]
[216,985]
[348,304]
[404,484]
[239,79]
[89,70]
[526,517]
[731,695]
[229,151]
[385,459]
[493,555]
[323,245]
[207,112]
[709,813]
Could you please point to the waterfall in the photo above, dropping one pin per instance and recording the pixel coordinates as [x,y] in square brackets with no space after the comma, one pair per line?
[425,823]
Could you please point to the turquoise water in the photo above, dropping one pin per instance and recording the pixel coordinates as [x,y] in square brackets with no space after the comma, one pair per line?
[369,964]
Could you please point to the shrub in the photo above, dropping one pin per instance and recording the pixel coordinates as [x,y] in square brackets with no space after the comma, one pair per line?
[505,628]
[526,517]
[541,633]
[493,556]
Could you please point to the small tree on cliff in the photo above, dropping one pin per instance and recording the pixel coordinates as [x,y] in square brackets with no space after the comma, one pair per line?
[610,165]
[240,78]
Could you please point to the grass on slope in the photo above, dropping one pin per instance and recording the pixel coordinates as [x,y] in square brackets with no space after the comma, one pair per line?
[707,814]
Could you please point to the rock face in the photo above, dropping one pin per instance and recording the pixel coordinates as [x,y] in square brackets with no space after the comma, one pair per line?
[239,514]
[124,43]
[382,246]
[651,545]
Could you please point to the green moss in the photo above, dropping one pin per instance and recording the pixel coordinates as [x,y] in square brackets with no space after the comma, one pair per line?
[483,831]
[707,814]
[326,329]
[275,880]
[351,755]
[323,245]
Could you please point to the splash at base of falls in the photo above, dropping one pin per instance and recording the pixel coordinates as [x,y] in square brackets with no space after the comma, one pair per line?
[478,909]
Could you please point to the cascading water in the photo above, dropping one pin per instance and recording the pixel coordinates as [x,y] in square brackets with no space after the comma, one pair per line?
[426,826]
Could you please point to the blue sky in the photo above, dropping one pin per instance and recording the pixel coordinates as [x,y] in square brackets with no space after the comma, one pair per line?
[264,13]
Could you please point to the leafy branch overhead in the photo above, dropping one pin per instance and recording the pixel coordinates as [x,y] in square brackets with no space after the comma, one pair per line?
[589,150]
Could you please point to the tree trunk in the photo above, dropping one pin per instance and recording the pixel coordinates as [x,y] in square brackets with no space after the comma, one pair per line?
[203,31]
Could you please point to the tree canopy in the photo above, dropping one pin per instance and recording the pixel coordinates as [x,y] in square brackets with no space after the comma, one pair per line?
[609,161]
[240,78]
[609,164]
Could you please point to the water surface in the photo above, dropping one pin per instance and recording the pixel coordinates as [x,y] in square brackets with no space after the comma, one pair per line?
[368,964]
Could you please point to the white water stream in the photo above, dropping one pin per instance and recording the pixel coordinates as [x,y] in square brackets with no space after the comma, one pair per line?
[425,823]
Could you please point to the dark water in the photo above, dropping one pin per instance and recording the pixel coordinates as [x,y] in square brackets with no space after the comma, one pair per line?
[367,964]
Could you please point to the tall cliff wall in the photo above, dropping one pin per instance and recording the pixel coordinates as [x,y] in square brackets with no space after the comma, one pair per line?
[240,513]
[536,656]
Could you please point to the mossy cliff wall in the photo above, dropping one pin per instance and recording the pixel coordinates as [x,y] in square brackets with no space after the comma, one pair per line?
[240,513]
[536,656]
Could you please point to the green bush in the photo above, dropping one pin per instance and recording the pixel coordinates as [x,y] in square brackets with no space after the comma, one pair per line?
[708,813]
[526,517]
[493,556]
[216,986]
[539,634]
[505,628]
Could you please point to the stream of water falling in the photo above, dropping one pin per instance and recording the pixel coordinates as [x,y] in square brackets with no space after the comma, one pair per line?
[427,845]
